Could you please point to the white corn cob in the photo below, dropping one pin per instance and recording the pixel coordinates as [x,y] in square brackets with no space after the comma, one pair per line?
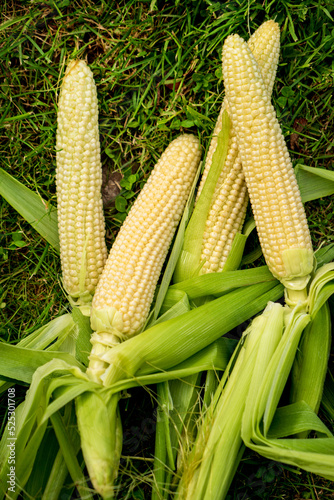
[125,291]
[225,219]
[229,202]
[79,176]
[264,43]
[271,183]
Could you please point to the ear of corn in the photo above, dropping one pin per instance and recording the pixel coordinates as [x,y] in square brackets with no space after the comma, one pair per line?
[225,219]
[79,176]
[123,297]
[261,370]
[271,183]
[212,241]
[222,196]
[264,44]
[189,262]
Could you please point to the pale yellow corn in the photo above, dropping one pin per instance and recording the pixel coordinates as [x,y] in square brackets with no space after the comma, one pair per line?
[271,183]
[79,176]
[264,43]
[230,199]
[225,219]
[123,297]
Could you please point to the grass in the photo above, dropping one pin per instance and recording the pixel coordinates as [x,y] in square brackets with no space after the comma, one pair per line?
[157,67]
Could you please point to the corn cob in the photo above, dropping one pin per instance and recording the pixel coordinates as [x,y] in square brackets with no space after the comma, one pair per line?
[123,297]
[229,201]
[80,216]
[264,43]
[271,183]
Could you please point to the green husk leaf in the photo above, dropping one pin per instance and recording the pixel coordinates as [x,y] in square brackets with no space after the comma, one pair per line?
[56,379]
[218,284]
[51,335]
[167,344]
[313,182]
[311,361]
[321,288]
[219,437]
[19,363]
[234,258]
[327,401]
[43,464]
[101,438]
[69,454]
[82,338]
[160,451]
[281,363]
[40,214]
[324,255]
[182,417]
[251,256]
[180,307]
[174,298]
[297,418]
[189,263]
[59,471]
[264,420]
[213,357]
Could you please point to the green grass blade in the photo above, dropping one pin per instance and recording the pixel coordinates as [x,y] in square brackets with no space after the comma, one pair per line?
[42,217]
